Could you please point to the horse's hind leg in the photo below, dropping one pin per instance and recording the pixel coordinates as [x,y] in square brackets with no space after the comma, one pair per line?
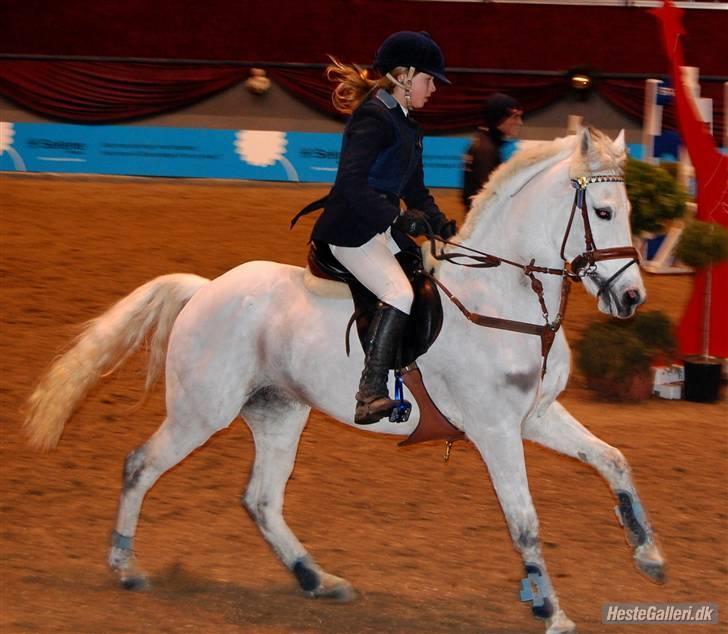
[560,431]
[502,451]
[171,443]
[277,423]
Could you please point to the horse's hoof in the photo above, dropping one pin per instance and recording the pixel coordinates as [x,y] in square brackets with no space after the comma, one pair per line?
[127,572]
[560,624]
[651,563]
[135,582]
[334,588]
[653,570]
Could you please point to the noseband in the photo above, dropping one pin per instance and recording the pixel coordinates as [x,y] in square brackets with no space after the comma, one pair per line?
[584,264]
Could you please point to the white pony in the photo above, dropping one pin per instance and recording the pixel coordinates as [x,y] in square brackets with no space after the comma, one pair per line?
[258,343]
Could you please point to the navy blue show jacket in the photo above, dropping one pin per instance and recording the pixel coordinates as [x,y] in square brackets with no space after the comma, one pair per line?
[380,164]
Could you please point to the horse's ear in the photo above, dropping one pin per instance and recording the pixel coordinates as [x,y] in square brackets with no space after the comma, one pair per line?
[581,161]
[619,144]
[585,142]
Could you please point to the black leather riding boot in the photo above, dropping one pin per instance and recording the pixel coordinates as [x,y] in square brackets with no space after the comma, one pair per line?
[385,333]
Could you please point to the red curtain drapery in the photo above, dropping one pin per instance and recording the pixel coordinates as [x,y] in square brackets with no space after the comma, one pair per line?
[473,35]
[109,92]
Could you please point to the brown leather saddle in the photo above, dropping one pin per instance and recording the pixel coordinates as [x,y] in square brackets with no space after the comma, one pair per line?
[425,320]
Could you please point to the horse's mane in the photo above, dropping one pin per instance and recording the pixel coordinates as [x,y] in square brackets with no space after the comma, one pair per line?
[512,175]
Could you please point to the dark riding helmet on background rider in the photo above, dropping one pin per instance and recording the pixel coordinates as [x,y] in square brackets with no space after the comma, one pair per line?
[411,49]
[499,107]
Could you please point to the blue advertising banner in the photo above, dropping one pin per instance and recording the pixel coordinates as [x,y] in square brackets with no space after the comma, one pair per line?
[197,153]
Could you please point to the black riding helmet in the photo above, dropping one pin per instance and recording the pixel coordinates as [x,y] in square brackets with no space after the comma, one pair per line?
[411,49]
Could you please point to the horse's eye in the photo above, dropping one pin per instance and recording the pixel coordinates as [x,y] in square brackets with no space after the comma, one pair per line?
[604,213]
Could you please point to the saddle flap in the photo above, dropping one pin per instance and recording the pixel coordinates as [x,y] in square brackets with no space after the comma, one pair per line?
[425,320]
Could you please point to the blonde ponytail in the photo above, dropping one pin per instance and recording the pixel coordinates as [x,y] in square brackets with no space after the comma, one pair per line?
[354,85]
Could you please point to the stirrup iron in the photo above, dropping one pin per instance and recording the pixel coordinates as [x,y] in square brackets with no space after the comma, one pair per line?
[401,412]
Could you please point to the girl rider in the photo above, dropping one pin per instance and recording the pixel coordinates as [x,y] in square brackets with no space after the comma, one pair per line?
[381,165]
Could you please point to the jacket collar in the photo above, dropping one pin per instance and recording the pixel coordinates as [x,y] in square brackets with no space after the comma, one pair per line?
[392,104]
[387,99]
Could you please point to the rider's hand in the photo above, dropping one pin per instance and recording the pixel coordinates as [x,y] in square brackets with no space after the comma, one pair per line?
[443,227]
[447,230]
[413,222]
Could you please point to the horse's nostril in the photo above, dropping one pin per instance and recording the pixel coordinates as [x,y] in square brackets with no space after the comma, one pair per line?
[632,297]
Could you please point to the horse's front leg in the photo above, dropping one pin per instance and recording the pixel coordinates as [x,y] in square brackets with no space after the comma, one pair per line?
[502,451]
[560,431]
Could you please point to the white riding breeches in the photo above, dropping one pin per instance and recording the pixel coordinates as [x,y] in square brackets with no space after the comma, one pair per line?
[374,265]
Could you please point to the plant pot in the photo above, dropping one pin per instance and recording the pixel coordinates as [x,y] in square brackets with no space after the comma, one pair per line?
[637,387]
[702,378]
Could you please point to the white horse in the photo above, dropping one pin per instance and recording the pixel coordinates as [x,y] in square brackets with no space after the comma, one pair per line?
[258,343]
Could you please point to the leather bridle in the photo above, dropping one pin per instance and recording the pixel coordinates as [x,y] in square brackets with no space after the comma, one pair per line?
[583,265]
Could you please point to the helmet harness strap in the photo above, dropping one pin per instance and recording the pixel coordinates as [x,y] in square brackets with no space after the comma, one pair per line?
[406,85]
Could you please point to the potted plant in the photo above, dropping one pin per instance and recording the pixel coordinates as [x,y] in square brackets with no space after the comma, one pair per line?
[615,356]
[655,195]
[702,245]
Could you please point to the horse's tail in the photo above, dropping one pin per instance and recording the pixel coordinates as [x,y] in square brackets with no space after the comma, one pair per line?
[102,347]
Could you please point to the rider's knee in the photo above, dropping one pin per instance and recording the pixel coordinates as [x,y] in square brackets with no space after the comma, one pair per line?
[401,298]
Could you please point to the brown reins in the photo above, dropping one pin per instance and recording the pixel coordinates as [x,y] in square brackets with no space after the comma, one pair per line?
[582,265]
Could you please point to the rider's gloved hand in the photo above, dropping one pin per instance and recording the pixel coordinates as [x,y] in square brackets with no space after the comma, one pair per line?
[447,230]
[443,227]
[413,222]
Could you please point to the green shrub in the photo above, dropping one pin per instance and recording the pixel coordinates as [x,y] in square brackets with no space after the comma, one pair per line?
[702,243]
[612,354]
[671,168]
[655,195]
[610,351]
[655,330]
